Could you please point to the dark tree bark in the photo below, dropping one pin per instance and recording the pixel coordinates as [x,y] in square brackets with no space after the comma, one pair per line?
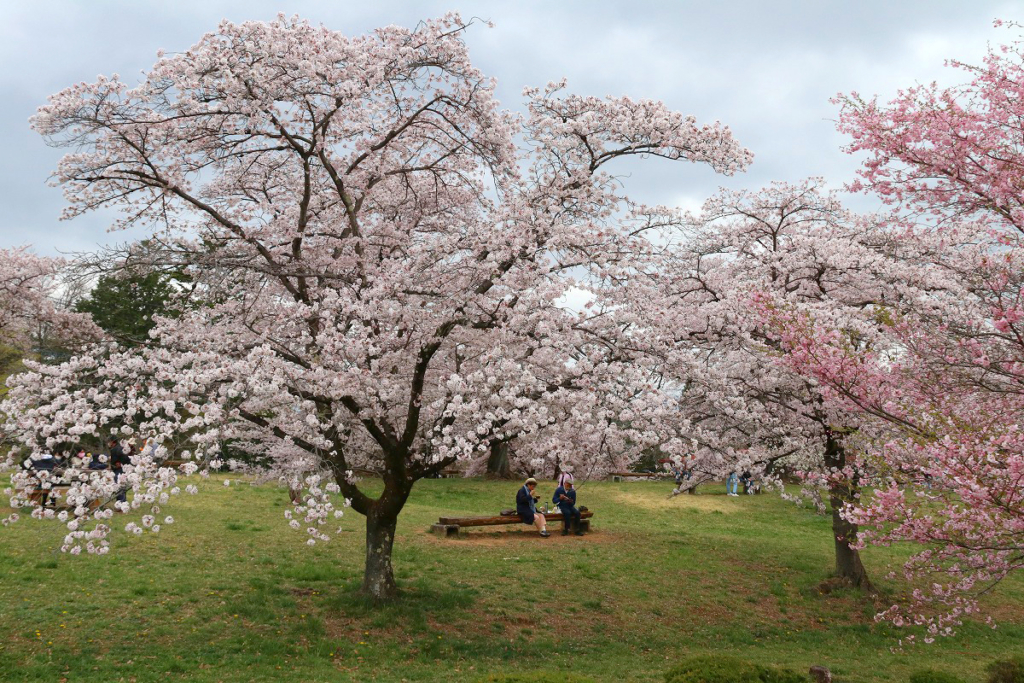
[498,464]
[381,522]
[848,563]
[379,576]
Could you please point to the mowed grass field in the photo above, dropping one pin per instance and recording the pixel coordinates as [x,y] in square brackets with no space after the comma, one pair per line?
[230,593]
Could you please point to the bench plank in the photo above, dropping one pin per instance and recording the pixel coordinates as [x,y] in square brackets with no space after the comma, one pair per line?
[508,519]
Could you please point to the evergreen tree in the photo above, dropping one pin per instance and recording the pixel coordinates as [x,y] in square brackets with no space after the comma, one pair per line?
[123,304]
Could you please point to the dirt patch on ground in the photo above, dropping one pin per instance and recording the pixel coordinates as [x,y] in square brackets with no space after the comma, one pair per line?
[512,536]
[702,503]
[1002,612]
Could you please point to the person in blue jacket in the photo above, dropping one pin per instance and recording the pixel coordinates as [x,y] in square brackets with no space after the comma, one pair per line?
[565,499]
[526,507]
[731,484]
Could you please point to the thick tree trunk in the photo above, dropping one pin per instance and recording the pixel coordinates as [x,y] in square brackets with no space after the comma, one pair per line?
[498,464]
[379,576]
[848,564]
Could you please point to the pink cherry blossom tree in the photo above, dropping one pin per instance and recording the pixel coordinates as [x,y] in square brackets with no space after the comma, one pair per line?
[945,399]
[384,256]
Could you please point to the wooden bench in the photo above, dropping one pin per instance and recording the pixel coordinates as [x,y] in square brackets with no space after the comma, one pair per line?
[449,526]
[44,499]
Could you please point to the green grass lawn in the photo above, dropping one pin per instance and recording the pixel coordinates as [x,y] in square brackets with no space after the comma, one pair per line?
[230,593]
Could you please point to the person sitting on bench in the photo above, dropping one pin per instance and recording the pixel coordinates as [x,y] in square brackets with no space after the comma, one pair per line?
[44,462]
[118,459]
[38,464]
[526,507]
[565,499]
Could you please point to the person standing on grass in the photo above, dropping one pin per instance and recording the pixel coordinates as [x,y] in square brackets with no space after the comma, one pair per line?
[677,473]
[686,468]
[731,484]
[565,499]
[526,507]
[118,459]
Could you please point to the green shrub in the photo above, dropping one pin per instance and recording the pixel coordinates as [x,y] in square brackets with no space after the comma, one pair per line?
[934,676]
[1006,670]
[713,669]
[554,677]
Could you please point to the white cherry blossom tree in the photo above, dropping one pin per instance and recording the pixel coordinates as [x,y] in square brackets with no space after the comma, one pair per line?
[383,255]
[742,405]
[29,302]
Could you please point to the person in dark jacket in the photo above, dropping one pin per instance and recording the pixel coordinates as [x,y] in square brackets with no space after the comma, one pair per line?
[565,499]
[44,462]
[43,467]
[118,459]
[526,507]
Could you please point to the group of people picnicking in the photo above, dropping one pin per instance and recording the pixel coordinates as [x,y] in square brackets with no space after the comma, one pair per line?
[115,460]
[564,499]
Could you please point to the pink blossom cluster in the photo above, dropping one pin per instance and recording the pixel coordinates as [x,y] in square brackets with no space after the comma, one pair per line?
[936,385]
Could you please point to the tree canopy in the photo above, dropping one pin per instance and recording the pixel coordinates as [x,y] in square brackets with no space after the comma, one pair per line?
[384,255]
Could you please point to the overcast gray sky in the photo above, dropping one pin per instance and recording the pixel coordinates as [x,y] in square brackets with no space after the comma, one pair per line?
[767,69]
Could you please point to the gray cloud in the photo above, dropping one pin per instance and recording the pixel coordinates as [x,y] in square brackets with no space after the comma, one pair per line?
[765,69]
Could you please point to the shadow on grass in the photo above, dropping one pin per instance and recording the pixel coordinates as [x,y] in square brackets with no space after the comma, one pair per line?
[417,603]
